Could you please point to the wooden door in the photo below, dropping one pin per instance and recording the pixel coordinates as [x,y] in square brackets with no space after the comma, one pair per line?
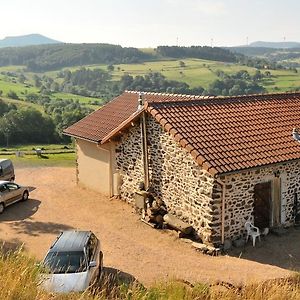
[262,204]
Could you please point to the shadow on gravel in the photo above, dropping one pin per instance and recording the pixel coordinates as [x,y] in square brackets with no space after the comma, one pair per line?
[11,245]
[113,279]
[277,250]
[116,276]
[20,210]
[36,228]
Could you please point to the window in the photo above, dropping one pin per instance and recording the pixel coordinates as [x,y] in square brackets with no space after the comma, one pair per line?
[65,262]
[3,188]
[12,186]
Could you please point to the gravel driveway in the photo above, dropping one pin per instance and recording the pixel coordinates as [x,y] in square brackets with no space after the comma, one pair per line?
[128,244]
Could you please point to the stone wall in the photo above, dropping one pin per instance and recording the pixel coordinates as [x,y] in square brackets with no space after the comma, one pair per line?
[176,178]
[129,162]
[239,197]
[192,193]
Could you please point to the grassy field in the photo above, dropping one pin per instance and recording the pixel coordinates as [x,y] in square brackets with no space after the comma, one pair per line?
[22,103]
[196,72]
[8,83]
[20,277]
[66,159]
[199,72]
[53,155]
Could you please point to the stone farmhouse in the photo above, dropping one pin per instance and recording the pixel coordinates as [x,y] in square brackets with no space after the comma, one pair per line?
[216,162]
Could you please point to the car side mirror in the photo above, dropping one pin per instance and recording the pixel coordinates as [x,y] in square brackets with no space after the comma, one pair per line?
[93,264]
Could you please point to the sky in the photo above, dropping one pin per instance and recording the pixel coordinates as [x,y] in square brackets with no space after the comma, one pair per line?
[141,23]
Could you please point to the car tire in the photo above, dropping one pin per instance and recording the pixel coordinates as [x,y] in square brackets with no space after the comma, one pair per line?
[25,196]
[1,208]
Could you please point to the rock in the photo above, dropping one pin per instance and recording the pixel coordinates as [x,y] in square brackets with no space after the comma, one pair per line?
[188,241]
[200,246]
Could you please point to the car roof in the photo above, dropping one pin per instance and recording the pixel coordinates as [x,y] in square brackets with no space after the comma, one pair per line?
[70,241]
[4,159]
[4,181]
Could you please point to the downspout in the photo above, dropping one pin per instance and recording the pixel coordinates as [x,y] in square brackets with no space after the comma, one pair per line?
[144,142]
[223,210]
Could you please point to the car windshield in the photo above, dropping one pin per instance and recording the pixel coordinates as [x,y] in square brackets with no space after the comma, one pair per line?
[65,262]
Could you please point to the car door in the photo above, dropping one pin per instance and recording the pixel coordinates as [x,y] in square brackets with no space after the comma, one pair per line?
[4,194]
[13,192]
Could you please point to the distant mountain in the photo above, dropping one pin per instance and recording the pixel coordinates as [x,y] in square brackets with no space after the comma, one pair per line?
[26,40]
[276,45]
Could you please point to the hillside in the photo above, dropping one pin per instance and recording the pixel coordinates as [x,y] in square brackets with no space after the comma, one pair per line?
[276,45]
[26,40]
[54,57]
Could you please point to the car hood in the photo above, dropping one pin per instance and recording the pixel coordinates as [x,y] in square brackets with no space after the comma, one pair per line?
[65,283]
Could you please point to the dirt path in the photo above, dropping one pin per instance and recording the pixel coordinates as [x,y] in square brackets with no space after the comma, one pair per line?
[128,245]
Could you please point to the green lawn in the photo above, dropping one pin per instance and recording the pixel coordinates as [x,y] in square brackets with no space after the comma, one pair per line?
[47,160]
[35,146]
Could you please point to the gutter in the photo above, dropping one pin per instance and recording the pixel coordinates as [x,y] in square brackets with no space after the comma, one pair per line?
[80,138]
[223,210]
[144,142]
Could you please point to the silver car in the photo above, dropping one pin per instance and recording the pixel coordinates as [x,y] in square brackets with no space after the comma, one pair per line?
[73,263]
[11,192]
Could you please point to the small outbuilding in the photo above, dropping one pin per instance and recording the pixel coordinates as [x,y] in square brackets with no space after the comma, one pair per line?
[216,162]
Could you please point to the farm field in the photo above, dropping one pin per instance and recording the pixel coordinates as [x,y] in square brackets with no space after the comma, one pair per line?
[199,72]
[195,72]
[8,83]
[53,155]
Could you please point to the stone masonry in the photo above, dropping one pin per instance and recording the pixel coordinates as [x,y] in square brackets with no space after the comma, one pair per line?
[239,196]
[175,176]
[191,192]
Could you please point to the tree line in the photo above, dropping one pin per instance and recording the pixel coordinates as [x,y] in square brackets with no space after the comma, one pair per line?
[52,57]
[202,52]
[28,125]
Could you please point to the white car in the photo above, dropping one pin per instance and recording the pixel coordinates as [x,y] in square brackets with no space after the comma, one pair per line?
[73,263]
[10,193]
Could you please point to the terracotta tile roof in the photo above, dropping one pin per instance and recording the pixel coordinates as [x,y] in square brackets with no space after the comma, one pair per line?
[105,120]
[223,134]
[227,134]
[100,124]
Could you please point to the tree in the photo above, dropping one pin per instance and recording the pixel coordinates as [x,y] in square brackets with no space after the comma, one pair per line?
[8,125]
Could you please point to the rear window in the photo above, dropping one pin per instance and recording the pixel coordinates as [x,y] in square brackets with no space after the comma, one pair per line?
[65,262]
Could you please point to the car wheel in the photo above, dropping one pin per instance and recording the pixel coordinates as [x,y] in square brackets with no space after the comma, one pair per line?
[25,196]
[1,208]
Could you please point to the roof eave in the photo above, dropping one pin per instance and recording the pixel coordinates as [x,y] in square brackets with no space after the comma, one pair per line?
[219,174]
[81,138]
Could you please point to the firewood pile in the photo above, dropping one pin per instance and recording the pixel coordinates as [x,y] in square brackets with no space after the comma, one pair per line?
[155,213]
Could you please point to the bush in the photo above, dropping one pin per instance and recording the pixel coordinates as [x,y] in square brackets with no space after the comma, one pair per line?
[12,95]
